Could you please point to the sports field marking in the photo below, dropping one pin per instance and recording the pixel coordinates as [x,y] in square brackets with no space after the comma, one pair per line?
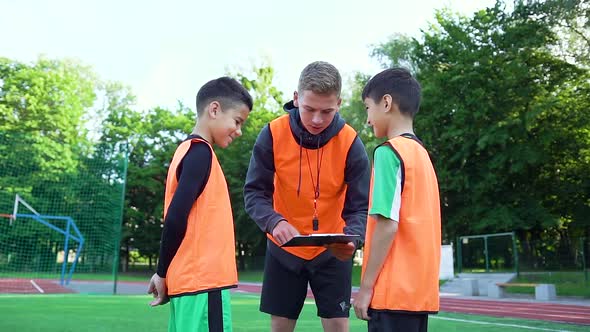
[525,327]
[496,324]
[39,289]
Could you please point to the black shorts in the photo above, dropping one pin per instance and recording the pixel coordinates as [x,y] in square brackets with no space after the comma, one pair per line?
[284,291]
[394,321]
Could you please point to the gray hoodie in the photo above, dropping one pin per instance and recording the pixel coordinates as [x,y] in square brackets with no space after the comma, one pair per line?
[259,186]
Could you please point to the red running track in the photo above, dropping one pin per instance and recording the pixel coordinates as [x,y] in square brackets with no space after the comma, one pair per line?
[29,286]
[554,312]
[563,313]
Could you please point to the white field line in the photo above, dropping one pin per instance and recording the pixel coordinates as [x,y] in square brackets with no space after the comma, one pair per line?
[39,289]
[496,324]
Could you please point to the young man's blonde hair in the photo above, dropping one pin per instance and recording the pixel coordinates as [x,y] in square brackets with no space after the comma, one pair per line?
[320,77]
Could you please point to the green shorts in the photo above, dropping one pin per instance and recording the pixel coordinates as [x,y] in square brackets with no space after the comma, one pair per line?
[204,312]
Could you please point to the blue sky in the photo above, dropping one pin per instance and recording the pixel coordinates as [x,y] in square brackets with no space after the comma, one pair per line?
[165,50]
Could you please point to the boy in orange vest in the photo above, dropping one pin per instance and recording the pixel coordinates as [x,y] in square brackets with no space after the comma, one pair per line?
[197,263]
[309,173]
[399,286]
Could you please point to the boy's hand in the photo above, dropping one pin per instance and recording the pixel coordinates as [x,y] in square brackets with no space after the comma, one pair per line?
[283,232]
[342,251]
[158,288]
[361,303]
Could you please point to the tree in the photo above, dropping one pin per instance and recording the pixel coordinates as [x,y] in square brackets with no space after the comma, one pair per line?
[41,107]
[397,52]
[503,116]
[570,20]
[268,101]
[48,157]
[152,136]
[353,111]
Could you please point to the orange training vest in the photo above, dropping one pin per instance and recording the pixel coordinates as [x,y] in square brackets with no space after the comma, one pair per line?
[408,280]
[206,257]
[298,210]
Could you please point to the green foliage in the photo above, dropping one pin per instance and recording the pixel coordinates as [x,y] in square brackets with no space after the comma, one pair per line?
[354,113]
[504,116]
[570,20]
[397,52]
[506,93]
[153,136]
[41,107]
[48,157]
[268,102]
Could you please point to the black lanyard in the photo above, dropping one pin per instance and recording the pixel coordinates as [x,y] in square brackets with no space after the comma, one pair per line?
[316,188]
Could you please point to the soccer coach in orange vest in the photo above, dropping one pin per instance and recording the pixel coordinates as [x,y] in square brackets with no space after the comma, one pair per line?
[309,173]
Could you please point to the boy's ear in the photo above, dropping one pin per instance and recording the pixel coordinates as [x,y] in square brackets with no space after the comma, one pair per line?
[213,108]
[295,99]
[387,102]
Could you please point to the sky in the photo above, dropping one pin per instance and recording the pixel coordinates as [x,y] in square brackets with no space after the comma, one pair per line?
[166,50]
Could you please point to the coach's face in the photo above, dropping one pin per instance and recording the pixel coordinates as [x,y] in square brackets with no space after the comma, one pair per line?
[316,110]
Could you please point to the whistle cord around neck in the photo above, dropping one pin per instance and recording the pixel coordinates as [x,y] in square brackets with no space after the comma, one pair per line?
[315,184]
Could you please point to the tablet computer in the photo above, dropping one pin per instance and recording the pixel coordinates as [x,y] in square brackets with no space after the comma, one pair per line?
[319,240]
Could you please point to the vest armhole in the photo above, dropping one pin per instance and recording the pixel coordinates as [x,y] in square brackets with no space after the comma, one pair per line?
[413,137]
[350,148]
[401,162]
[190,145]
[417,140]
[180,165]
[270,134]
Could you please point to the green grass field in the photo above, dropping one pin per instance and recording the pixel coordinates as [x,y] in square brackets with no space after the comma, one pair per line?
[105,313]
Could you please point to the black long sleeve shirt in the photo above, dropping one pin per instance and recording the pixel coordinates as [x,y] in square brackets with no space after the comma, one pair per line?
[192,174]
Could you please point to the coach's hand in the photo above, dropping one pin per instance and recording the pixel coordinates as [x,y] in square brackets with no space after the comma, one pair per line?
[284,232]
[342,251]
[361,303]
[158,288]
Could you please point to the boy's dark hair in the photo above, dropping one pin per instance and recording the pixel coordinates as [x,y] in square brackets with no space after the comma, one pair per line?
[226,90]
[320,77]
[399,83]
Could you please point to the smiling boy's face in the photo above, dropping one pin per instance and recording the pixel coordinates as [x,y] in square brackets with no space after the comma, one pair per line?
[376,113]
[227,124]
